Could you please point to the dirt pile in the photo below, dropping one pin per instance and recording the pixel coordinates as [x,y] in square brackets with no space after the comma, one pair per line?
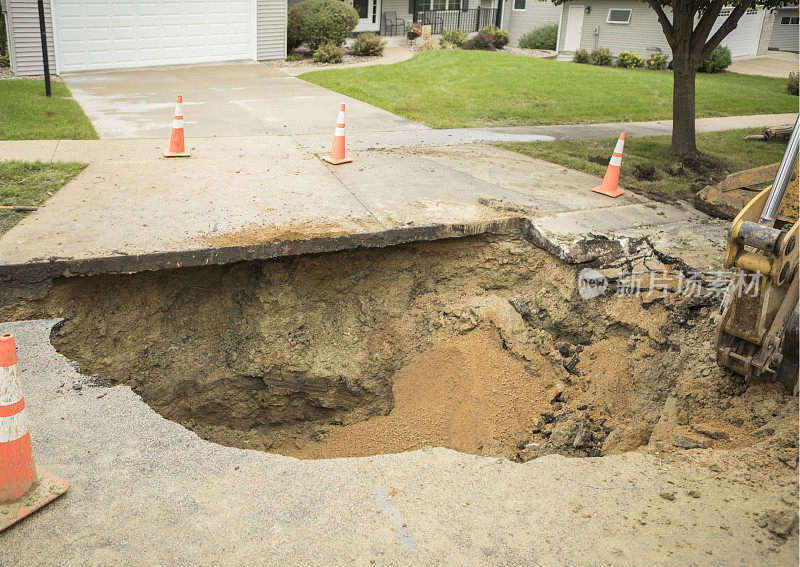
[479,344]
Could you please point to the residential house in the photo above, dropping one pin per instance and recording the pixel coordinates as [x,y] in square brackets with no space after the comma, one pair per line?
[626,25]
[786,29]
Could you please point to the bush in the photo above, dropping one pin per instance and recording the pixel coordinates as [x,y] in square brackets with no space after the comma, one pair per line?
[581,56]
[717,62]
[543,37]
[328,53]
[481,41]
[630,60]
[5,60]
[447,45]
[315,22]
[657,61]
[429,45]
[602,57]
[296,56]
[367,44]
[791,84]
[500,38]
[455,37]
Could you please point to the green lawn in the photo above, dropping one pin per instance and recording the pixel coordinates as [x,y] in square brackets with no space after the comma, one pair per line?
[458,88]
[672,178]
[30,184]
[27,114]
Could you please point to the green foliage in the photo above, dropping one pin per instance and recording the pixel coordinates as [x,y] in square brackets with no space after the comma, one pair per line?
[657,61]
[5,61]
[543,37]
[429,45]
[480,41]
[791,84]
[367,44]
[581,56]
[455,37]
[296,56]
[601,56]
[500,38]
[328,53]
[413,31]
[718,61]
[315,22]
[630,60]
[446,45]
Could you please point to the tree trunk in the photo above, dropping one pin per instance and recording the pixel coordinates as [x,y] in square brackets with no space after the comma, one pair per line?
[683,134]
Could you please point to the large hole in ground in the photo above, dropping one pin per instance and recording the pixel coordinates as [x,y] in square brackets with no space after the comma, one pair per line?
[478,344]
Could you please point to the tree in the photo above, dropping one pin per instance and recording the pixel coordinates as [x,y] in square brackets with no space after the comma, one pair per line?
[687,34]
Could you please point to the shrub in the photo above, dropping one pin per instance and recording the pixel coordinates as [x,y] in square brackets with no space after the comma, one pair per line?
[602,57]
[446,45]
[657,61]
[791,84]
[717,62]
[581,56]
[5,60]
[500,38]
[296,56]
[543,37]
[630,60]
[480,41]
[367,44]
[429,45]
[413,32]
[316,22]
[454,37]
[328,53]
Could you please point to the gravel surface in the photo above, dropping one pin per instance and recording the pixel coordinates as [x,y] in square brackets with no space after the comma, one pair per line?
[147,491]
[5,73]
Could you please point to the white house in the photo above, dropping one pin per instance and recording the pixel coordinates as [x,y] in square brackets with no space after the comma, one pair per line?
[625,25]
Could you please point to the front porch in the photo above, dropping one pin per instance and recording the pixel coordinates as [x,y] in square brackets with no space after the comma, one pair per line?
[392,17]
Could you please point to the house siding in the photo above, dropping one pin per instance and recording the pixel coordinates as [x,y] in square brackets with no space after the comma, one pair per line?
[270,29]
[535,14]
[785,37]
[24,37]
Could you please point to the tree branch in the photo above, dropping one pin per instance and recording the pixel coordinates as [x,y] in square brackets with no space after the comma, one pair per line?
[727,27]
[703,27]
[666,25]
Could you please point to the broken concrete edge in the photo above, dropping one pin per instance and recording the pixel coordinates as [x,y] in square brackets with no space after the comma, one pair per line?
[32,280]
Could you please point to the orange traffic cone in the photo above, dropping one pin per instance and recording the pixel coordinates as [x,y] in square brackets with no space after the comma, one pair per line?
[337,151]
[24,486]
[176,143]
[610,183]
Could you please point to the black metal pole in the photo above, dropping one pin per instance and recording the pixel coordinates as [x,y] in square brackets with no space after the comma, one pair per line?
[414,7]
[499,15]
[45,60]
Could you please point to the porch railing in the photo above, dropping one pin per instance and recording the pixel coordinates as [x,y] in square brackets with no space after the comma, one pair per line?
[465,20]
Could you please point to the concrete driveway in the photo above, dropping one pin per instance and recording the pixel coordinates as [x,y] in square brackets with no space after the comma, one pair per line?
[773,64]
[233,99]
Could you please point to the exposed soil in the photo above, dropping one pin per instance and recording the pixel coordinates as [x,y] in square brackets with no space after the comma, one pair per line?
[480,344]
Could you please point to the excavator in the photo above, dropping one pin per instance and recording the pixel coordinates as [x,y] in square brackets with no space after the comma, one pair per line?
[757,332]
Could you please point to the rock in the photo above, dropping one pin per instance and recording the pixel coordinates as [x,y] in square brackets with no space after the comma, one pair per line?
[564,433]
[583,437]
[684,442]
[555,392]
[548,417]
[666,495]
[762,432]
[520,306]
[693,493]
[76,386]
[779,522]
[708,432]
[626,438]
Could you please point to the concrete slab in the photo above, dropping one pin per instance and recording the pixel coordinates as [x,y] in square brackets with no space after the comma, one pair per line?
[234,99]
[773,64]
[147,491]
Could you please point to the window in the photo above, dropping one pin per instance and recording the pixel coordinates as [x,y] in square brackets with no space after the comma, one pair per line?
[445,4]
[619,17]
[519,4]
[786,20]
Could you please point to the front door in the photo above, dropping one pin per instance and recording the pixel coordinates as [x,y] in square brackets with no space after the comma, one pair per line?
[367,15]
[572,39]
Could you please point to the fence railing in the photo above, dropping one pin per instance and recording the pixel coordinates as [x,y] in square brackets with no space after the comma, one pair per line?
[465,20]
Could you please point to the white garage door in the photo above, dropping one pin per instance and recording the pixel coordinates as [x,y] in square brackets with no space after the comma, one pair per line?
[105,34]
[744,39]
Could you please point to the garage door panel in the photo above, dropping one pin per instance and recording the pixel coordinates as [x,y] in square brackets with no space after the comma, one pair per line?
[101,34]
[744,39]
